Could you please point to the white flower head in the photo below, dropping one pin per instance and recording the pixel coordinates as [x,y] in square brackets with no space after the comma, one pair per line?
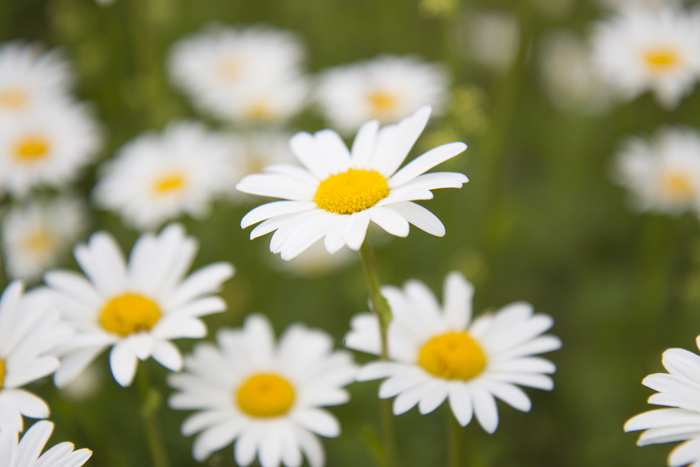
[438,353]
[490,37]
[35,236]
[663,174]
[679,391]
[30,331]
[136,308]
[338,192]
[46,146]
[642,48]
[26,452]
[387,88]
[157,177]
[266,396]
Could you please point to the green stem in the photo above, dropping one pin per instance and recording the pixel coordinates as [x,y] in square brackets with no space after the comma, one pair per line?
[380,307]
[150,403]
[454,434]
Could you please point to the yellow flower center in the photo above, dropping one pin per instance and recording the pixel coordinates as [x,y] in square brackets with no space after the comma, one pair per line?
[382,102]
[169,183]
[452,355]
[351,191]
[265,395]
[129,313]
[31,148]
[39,241]
[13,98]
[260,110]
[661,59]
[2,373]
[678,186]
[229,69]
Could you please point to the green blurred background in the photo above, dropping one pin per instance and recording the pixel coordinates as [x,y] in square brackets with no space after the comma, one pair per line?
[539,221]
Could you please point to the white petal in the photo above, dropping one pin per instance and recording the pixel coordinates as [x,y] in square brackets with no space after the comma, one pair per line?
[122,362]
[485,410]
[420,217]
[425,162]
[274,209]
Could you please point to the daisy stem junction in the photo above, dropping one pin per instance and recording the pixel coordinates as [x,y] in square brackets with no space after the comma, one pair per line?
[150,402]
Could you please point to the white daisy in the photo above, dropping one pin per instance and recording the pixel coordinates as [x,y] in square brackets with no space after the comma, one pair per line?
[266,396]
[136,308]
[35,236]
[678,389]
[339,191]
[387,88]
[156,177]
[30,331]
[29,76]
[438,353]
[46,146]
[663,174]
[643,48]
[490,37]
[228,72]
[27,452]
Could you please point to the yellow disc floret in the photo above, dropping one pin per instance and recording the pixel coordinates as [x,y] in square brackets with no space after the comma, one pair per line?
[661,58]
[13,98]
[678,186]
[3,371]
[265,395]
[452,355]
[351,191]
[39,241]
[168,183]
[129,313]
[382,102]
[31,148]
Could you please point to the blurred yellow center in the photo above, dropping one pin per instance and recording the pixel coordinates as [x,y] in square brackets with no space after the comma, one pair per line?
[229,69]
[351,191]
[678,186]
[2,373]
[260,110]
[31,148]
[265,395]
[13,98]
[382,101]
[39,241]
[661,58]
[129,313]
[169,183]
[452,355]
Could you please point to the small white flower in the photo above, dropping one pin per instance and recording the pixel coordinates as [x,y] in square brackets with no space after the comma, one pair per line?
[437,353]
[156,177]
[338,192]
[642,48]
[663,174]
[27,451]
[679,389]
[30,331]
[266,396]
[491,38]
[136,308]
[387,88]
[35,236]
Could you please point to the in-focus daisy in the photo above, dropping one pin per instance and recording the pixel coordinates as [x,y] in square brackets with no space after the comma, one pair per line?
[438,353]
[36,236]
[157,177]
[264,395]
[387,88]
[338,192]
[45,147]
[27,451]
[679,390]
[663,174]
[136,308]
[644,48]
[30,331]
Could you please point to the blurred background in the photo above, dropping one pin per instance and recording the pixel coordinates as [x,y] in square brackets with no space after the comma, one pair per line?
[541,220]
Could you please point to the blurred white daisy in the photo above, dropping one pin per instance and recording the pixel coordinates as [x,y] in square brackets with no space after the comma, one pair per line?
[27,451]
[679,389]
[266,396]
[490,37]
[37,235]
[30,331]
[642,48]
[29,76]
[338,192]
[241,74]
[136,308]
[45,147]
[438,353]
[663,175]
[387,88]
[157,177]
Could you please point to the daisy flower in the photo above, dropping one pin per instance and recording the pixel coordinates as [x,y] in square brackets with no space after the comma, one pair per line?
[663,174]
[491,37]
[644,48]
[387,88]
[45,147]
[155,178]
[30,331]
[36,236]
[136,308]
[338,192]
[679,390]
[438,353]
[266,396]
[27,452]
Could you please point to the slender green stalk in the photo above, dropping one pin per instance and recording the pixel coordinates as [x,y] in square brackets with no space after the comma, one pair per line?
[455,440]
[381,308]
[150,403]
